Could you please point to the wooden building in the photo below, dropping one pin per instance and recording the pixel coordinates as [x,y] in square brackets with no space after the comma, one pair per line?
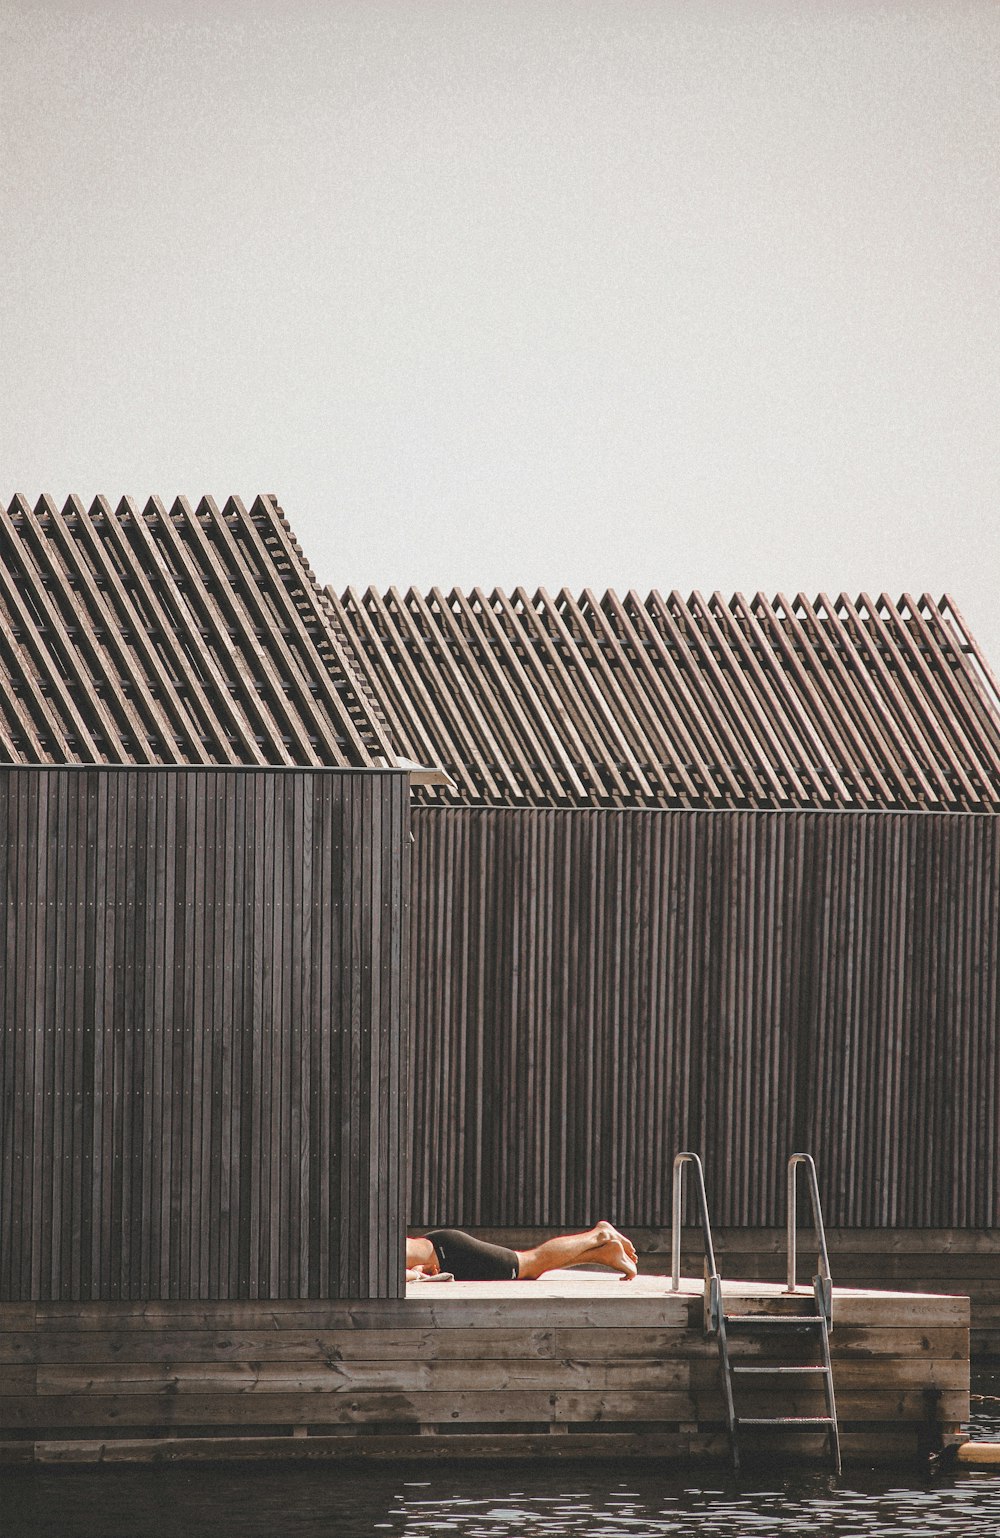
[202,918]
[718,874]
[705,874]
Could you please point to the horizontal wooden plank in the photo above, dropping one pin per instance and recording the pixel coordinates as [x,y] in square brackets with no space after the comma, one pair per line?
[548,1374]
[92,1410]
[287,1345]
[888,1374]
[872,1445]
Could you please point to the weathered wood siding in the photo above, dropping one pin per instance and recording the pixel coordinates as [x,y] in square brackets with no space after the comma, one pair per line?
[594,990]
[202,993]
[456,1371]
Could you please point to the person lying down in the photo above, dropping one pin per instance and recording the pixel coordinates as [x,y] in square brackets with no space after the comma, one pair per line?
[448,1252]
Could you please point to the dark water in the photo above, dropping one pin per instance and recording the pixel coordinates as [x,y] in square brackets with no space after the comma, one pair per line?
[494,1501]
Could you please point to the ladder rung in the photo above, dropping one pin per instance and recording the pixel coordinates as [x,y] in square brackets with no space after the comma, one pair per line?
[810,1368]
[774,1321]
[785,1420]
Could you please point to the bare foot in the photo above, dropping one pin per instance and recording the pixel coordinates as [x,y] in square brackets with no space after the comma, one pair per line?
[607,1233]
[614,1254]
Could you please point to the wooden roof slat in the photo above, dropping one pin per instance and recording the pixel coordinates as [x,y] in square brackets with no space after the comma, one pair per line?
[563,728]
[379,670]
[146,530]
[49,674]
[861,697]
[704,719]
[974,687]
[947,609]
[262,697]
[523,696]
[440,689]
[762,709]
[588,688]
[792,718]
[675,704]
[954,707]
[162,604]
[626,680]
[890,710]
[35,559]
[905,697]
[941,745]
[132,637]
[337,686]
[438,742]
[170,720]
[470,723]
[817,695]
[845,708]
[512,733]
[708,676]
[697,702]
[27,726]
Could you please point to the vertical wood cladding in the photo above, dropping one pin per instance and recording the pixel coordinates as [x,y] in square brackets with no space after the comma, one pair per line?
[202,986]
[594,990]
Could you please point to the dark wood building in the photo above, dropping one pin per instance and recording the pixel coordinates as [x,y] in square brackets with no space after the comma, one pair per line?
[720,874]
[705,873]
[203,907]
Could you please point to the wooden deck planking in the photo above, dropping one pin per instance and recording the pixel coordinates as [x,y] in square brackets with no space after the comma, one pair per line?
[466,1365]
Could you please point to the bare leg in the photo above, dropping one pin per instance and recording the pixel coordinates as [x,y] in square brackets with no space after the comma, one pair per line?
[601,1245]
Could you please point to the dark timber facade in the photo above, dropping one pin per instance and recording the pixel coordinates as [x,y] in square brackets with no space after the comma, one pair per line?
[203,907]
[714,873]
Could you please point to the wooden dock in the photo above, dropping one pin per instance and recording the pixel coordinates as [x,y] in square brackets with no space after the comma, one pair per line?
[575,1365]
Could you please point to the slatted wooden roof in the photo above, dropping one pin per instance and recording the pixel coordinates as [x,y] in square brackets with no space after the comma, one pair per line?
[580,701]
[171,636]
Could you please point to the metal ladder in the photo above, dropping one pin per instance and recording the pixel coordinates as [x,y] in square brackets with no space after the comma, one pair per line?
[816,1325]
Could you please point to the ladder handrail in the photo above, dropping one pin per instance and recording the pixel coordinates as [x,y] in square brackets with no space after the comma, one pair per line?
[823,1259]
[706,1227]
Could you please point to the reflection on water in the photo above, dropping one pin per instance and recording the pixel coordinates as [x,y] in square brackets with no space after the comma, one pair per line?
[494,1501]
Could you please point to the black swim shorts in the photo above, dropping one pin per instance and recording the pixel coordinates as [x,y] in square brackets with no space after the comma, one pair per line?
[473,1260]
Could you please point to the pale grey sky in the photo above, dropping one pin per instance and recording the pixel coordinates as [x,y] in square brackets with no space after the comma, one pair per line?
[643,293]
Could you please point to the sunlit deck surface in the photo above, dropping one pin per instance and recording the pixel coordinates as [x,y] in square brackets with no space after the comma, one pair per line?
[576,1364]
